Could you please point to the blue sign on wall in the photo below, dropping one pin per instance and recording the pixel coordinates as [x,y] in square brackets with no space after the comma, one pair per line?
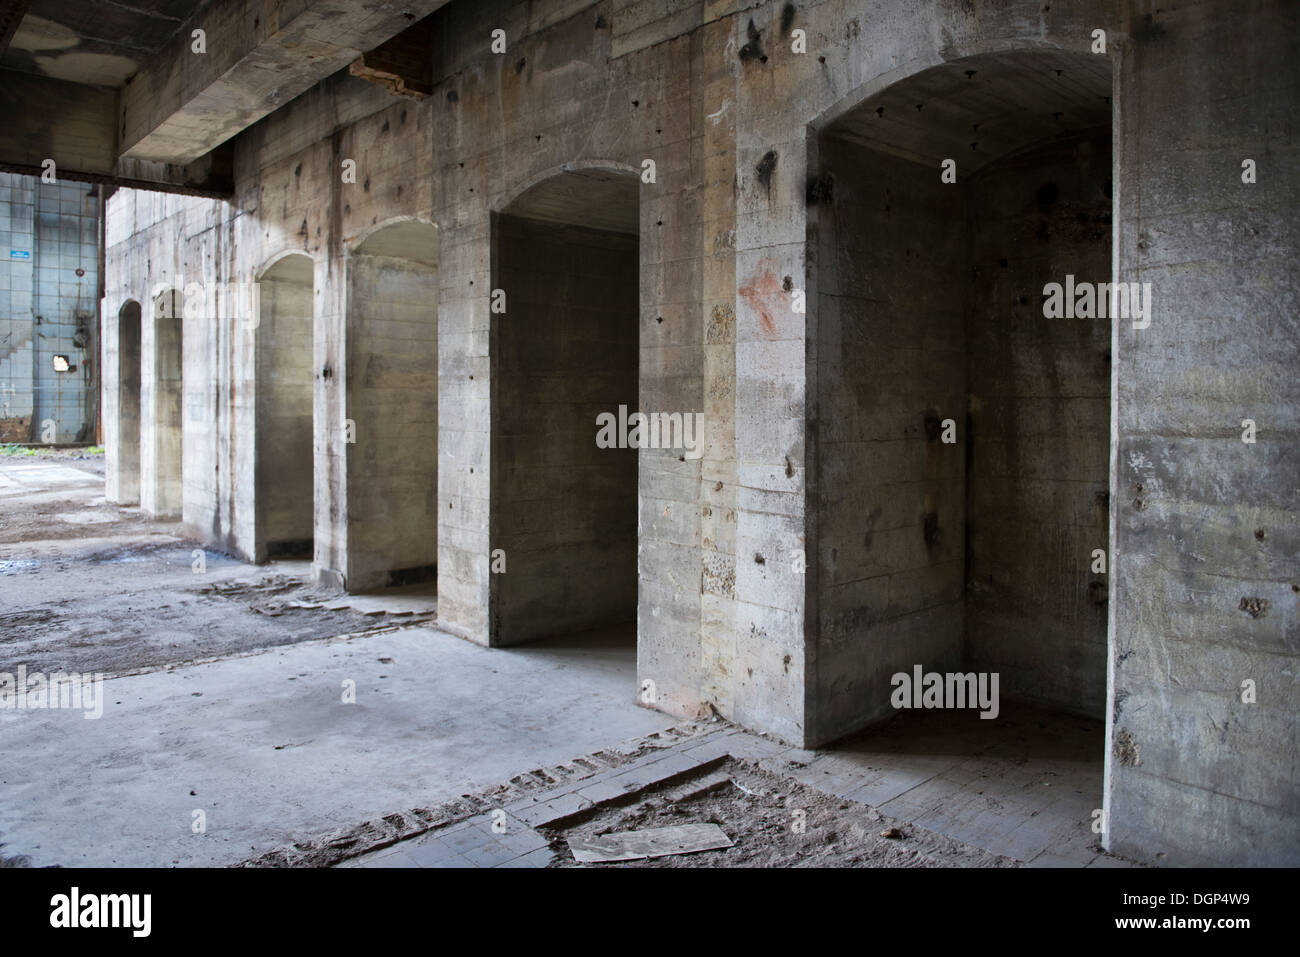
[20,254]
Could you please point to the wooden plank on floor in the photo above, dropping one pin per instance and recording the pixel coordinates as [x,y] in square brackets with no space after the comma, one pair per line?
[650,842]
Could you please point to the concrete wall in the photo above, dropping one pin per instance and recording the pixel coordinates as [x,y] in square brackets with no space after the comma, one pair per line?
[1202,526]
[1205,588]
[1038,429]
[891,364]
[392,400]
[291,197]
[583,86]
[155,243]
[122,409]
[961,439]
[167,409]
[565,511]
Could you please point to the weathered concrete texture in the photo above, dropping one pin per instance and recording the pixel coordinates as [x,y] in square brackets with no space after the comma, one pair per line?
[1039,425]
[81,138]
[211,252]
[392,406]
[269,751]
[186,100]
[891,357]
[122,406]
[815,447]
[1205,527]
[152,92]
[165,405]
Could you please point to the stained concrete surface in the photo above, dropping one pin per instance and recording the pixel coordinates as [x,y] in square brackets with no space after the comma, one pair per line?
[88,586]
[265,746]
[773,822]
[259,739]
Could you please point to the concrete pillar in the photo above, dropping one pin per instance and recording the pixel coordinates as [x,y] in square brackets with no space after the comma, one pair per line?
[162,405]
[121,385]
[1203,698]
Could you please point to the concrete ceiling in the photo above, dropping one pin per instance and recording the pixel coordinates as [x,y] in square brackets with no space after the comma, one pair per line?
[596,198]
[259,57]
[100,44]
[114,92]
[980,108]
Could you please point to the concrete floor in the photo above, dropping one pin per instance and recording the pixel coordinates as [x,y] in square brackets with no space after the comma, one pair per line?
[264,746]
[260,739]
[91,587]
[1024,785]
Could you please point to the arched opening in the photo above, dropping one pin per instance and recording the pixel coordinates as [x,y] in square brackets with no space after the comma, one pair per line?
[391,426]
[125,436]
[564,351]
[162,405]
[962,436]
[283,485]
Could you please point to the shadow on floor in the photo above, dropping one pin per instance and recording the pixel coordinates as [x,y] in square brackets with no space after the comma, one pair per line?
[1027,784]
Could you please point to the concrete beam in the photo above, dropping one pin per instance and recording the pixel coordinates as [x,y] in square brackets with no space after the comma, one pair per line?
[11,14]
[72,124]
[258,57]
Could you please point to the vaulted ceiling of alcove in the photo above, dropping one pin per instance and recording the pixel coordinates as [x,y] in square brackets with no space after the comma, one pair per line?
[977,109]
[596,198]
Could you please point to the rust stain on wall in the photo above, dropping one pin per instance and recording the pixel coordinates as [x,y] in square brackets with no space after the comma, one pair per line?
[765,297]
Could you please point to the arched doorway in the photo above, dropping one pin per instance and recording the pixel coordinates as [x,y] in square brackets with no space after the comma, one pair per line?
[390,430]
[564,351]
[283,468]
[961,435]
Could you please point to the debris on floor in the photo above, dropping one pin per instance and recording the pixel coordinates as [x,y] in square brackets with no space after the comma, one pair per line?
[140,611]
[770,820]
[650,842]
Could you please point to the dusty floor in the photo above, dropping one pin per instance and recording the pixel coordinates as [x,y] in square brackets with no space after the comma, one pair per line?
[228,701]
[87,586]
[1026,785]
[1014,792]
[223,696]
[265,746]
